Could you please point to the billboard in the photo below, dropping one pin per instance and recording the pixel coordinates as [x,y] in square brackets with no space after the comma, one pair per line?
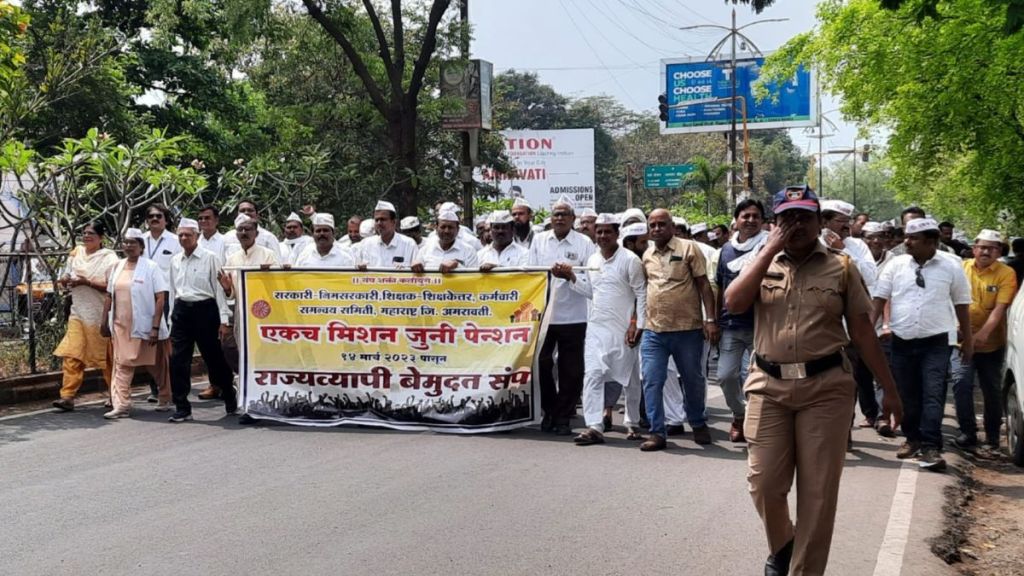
[791,104]
[467,86]
[548,163]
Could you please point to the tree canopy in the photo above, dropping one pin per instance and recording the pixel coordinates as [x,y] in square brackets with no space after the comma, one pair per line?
[945,87]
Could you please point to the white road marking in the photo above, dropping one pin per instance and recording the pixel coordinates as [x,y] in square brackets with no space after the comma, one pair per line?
[894,543]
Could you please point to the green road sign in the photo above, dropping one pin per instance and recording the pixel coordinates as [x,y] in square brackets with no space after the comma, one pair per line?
[666,175]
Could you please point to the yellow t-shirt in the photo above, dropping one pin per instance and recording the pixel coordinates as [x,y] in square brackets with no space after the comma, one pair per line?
[994,285]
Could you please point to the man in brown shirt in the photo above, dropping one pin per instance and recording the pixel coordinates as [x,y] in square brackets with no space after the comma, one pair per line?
[677,286]
[801,389]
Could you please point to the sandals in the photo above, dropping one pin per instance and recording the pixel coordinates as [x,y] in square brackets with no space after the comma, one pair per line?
[588,437]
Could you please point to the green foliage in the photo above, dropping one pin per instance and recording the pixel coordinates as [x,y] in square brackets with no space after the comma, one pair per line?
[874,191]
[947,88]
[96,177]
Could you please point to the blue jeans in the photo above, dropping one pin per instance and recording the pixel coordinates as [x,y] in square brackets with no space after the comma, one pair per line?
[686,348]
[988,367]
[733,348]
[920,367]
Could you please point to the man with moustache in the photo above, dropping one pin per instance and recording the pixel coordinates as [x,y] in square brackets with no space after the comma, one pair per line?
[388,248]
[993,286]
[352,236]
[324,252]
[264,237]
[445,252]
[737,338]
[585,225]
[502,252]
[522,225]
[615,284]
[295,239]
[799,390]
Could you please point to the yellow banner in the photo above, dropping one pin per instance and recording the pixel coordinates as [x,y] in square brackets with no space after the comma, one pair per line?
[450,352]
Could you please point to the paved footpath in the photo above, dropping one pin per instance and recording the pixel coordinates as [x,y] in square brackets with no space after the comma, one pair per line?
[80,495]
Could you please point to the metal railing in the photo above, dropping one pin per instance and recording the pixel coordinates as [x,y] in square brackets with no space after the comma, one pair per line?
[32,315]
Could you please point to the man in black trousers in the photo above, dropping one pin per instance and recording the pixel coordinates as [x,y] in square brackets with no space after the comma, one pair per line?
[199,317]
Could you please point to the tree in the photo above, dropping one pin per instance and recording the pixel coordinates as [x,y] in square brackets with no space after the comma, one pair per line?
[708,178]
[946,88]
[874,191]
[392,86]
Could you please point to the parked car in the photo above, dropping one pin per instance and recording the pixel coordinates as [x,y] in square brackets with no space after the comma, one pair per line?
[1013,381]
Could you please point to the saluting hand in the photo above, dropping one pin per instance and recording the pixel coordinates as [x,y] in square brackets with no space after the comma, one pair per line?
[778,237]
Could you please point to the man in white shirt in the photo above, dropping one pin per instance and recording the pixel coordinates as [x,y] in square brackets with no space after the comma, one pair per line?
[160,246]
[387,249]
[502,252]
[522,224]
[465,234]
[567,329]
[199,315]
[877,236]
[836,234]
[248,254]
[920,286]
[209,237]
[445,252]
[585,224]
[324,252]
[295,239]
[615,284]
[410,226]
[264,237]
[351,237]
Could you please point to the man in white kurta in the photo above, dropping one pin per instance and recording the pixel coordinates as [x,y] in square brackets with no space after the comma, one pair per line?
[324,252]
[615,284]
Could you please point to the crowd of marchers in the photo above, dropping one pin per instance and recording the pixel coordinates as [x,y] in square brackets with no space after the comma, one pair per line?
[805,306]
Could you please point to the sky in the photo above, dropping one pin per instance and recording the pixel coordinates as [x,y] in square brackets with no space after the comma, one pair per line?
[613,47]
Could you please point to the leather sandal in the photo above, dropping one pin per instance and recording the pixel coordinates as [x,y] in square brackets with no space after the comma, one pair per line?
[588,437]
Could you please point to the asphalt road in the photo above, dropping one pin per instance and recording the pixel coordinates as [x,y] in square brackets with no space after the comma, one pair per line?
[80,495]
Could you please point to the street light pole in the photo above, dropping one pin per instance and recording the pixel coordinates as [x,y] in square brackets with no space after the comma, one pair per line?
[733,33]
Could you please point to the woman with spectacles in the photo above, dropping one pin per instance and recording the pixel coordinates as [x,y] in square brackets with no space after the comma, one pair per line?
[85,275]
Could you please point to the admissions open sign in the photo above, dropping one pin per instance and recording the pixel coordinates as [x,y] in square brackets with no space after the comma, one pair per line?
[548,163]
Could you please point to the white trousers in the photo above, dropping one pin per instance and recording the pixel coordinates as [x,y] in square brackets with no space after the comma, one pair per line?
[594,399]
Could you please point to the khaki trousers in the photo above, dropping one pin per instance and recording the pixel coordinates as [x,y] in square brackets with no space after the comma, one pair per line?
[74,375]
[161,371]
[798,426]
[121,387]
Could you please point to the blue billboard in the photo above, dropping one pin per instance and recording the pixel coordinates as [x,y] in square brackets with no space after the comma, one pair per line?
[790,104]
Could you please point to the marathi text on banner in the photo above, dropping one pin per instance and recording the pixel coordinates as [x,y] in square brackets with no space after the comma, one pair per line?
[451,352]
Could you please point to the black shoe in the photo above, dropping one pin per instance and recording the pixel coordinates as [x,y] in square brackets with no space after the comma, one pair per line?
[778,563]
[607,421]
[702,435]
[966,441]
[562,430]
[547,424]
[675,430]
[178,417]
[245,419]
[231,407]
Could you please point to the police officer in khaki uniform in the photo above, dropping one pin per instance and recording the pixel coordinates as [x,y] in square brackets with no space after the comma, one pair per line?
[801,387]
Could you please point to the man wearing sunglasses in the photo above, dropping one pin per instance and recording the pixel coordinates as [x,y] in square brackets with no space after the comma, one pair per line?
[160,246]
[928,296]
[800,387]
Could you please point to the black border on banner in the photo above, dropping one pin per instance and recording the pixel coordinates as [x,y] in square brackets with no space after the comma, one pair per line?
[535,408]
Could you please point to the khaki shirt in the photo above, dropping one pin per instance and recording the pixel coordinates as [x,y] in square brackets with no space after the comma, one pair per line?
[673,301]
[798,314]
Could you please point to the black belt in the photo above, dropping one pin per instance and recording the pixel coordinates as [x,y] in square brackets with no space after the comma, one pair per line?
[801,369]
[179,303]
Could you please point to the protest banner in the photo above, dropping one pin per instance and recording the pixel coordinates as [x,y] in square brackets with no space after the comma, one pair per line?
[445,352]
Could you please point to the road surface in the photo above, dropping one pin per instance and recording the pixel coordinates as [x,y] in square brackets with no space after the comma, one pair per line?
[80,495]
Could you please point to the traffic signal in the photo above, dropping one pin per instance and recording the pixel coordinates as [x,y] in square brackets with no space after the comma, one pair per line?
[865,152]
[663,107]
[750,176]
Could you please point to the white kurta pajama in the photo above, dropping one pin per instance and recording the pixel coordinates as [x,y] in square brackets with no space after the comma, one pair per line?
[616,287]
